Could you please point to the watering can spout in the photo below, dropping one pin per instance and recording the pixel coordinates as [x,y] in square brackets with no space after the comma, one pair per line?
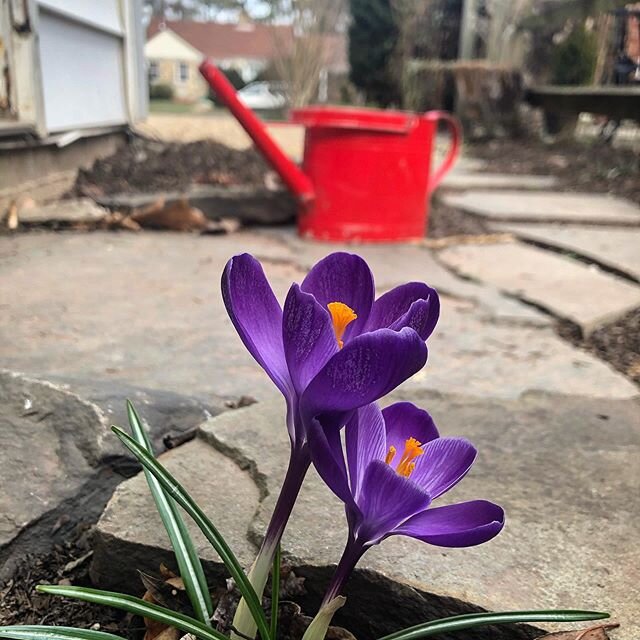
[293,177]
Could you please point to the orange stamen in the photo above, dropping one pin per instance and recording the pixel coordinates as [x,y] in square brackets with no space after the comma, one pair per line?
[391,454]
[342,316]
[412,450]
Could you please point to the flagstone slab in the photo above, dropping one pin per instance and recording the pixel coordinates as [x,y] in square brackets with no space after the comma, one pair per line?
[460,181]
[563,467]
[51,441]
[547,206]
[611,246]
[566,288]
[130,537]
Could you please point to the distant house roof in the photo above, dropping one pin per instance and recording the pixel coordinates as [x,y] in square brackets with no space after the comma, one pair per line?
[223,41]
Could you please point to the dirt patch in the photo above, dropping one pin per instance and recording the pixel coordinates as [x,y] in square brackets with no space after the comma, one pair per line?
[446,221]
[596,167]
[145,166]
[617,343]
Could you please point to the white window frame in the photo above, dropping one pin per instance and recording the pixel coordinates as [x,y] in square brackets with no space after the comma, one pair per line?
[178,72]
[154,70]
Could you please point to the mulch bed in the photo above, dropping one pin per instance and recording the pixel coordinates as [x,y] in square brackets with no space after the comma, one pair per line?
[617,343]
[595,167]
[145,166]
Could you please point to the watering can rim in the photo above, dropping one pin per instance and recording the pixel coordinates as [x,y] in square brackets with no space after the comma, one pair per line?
[362,118]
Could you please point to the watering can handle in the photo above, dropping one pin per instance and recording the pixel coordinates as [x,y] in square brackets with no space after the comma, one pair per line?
[456,138]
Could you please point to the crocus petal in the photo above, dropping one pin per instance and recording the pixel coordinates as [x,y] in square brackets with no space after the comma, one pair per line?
[444,463]
[308,335]
[257,316]
[386,501]
[457,525]
[399,308]
[367,368]
[325,447]
[403,420]
[364,442]
[419,318]
[343,277]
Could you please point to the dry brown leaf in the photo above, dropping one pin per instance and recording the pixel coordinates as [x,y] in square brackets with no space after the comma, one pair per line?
[175,216]
[164,591]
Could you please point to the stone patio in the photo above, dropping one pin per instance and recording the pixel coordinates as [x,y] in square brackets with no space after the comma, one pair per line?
[568,289]
[106,316]
[554,462]
[613,247]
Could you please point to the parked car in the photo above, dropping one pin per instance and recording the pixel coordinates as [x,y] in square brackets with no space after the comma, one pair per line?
[263,95]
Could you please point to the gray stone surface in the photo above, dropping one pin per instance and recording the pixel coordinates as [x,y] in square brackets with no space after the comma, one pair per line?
[164,412]
[145,309]
[611,246]
[548,206]
[563,467]
[461,181]
[567,288]
[130,537]
[485,358]
[393,265]
[50,443]
[77,210]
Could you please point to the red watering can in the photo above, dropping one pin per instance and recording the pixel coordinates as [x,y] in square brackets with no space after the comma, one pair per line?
[366,173]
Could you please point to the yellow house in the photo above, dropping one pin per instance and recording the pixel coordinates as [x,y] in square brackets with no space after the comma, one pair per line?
[174,50]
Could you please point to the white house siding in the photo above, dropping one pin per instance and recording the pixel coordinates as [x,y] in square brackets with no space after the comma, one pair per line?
[74,65]
[167,45]
[104,14]
[82,75]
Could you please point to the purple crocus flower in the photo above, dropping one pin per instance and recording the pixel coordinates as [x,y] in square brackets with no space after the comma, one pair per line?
[332,349]
[396,466]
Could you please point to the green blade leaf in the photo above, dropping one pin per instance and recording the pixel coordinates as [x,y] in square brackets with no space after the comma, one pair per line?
[137,607]
[275,591]
[43,632]
[178,493]
[456,623]
[189,563]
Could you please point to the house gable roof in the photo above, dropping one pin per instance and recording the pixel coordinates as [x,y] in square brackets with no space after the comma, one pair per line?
[223,41]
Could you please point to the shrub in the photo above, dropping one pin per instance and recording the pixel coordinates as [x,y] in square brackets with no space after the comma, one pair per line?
[573,61]
[160,92]
[373,35]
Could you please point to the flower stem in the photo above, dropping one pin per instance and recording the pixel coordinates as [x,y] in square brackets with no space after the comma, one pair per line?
[353,551]
[299,462]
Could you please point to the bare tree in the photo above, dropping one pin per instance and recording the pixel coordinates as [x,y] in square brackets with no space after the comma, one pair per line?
[307,49]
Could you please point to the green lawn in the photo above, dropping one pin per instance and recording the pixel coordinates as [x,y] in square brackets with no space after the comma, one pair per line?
[167,106]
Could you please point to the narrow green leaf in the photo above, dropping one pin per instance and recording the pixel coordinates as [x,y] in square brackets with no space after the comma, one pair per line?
[275,591]
[189,563]
[178,493]
[137,607]
[456,623]
[43,632]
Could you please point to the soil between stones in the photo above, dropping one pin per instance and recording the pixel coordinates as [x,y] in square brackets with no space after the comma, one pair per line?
[445,221]
[21,604]
[617,343]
